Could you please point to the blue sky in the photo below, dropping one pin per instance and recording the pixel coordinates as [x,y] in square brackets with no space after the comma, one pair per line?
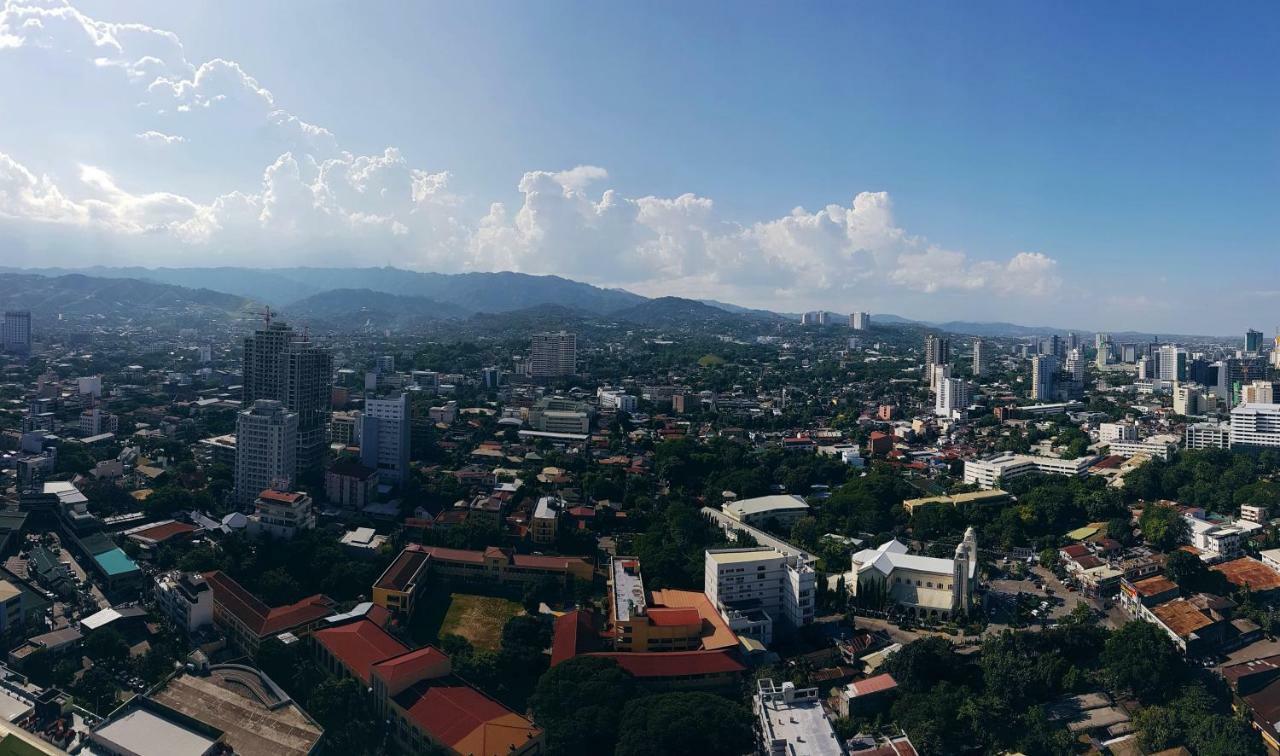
[1089,165]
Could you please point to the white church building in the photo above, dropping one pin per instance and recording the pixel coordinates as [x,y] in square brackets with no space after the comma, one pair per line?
[925,586]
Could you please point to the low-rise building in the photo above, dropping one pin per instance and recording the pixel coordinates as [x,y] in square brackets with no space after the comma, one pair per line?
[350,484]
[784,508]
[247,620]
[281,514]
[792,721]
[185,599]
[991,471]
[546,517]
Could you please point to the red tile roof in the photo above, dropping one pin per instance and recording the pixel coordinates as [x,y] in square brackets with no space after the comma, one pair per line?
[286,497]
[464,719]
[877,684]
[261,619]
[359,645]
[165,531]
[400,670]
[674,617]
[658,664]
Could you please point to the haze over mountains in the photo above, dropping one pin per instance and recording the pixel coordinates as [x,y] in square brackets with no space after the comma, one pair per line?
[386,297]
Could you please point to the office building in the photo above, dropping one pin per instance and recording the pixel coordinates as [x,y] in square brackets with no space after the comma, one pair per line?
[558,415]
[1172,363]
[385,365]
[554,355]
[758,589]
[937,374]
[266,449]
[860,321]
[384,437]
[1109,432]
[1210,435]
[1075,365]
[981,358]
[1129,353]
[15,332]
[816,317]
[1044,370]
[1102,345]
[937,350]
[1258,392]
[954,397]
[282,366]
[1187,398]
[924,586]
[1255,425]
[1252,342]
[991,471]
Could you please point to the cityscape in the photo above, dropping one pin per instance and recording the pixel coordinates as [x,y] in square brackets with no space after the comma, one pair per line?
[366,453]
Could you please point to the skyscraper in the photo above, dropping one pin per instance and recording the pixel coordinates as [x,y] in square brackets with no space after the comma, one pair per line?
[954,396]
[1044,369]
[937,350]
[860,321]
[15,334]
[554,355]
[981,360]
[1172,365]
[282,366]
[1075,365]
[266,449]
[1252,341]
[384,437]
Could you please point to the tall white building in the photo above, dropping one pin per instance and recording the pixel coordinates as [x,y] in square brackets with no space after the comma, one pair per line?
[1258,392]
[266,449]
[1075,365]
[554,355]
[981,358]
[755,588]
[384,437]
[1172,363]
[938,374]
[1044,368]
[15,332]
[1187,398]
[1255,425]
[954,397]
[860,321]
[1109,432]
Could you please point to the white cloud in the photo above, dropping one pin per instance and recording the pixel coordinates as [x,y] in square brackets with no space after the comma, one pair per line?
[159,137]
[135,89]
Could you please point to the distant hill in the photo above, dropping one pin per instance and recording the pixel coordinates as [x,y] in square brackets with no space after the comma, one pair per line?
[354,308]
[123,298]
[675,312]
[475,292]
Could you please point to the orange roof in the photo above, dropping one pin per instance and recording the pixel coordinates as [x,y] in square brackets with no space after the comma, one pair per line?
[1249,571]
[414,665]
[675,663]
[674,617]
[359,645]
[261,619]
[1154,586]
[465,720]
[164,531]
[716,632]
[286,497]
[1182,617]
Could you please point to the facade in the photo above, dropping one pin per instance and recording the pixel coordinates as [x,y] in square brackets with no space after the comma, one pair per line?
[15,332]
[989,472]
[556,415]
[1215,542]
[281,514]
[384,437]
[937,350]
[1044,370]
[1187,399]
[924,586]
[185,599]
[785,508]
[546,517]
[860,321]
[281,365]
[350,485]
[754,588]
[954,397]
[1255,425]
[1209,435]
[554,355]
[1111,432]
[1257,392]
[266,449]
[981,358]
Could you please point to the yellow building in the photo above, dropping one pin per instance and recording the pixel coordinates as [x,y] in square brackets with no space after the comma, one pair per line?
[666,621]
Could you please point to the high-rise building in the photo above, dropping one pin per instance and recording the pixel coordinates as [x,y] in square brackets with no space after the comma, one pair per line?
[954,397]
[1255,425]
[860,321]
[981,358]
[1252,342]
[385,364]
[283,366]
[1187,399]
[490,376]
[554,355]
[1044,369]
[384,437]
[1258,392]
[1102,343]
[1075,365]
[266,449]
[1073,341]
[15,332]
[937,350]
[1172,364]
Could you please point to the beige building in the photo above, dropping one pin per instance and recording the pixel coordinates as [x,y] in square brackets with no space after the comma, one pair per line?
[924,586]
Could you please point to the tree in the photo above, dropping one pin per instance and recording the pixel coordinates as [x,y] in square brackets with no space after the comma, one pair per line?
[1162,526]
[106,644]
[934,718]
[579,701]
[922,663]
[277,587]
[1119,529]
[342,708]
[700,723]
[1192,575]
[1140,658]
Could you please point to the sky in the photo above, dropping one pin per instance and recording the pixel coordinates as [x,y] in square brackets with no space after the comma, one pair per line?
[1090,165]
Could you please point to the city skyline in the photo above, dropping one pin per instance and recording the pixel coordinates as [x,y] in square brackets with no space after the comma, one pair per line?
[1074,174]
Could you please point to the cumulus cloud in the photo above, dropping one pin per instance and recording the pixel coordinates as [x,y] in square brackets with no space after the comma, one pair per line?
[289,191]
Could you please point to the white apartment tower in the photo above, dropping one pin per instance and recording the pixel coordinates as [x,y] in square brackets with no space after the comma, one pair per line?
[266,449]
[284,366]
[554,355]
[15,332]
[1044,368]
[860,321]
[1075,365]
[954,396]
[756,588]
[981,358]
[384,437]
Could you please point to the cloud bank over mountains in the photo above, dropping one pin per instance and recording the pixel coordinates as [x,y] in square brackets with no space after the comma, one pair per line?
[114,122]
